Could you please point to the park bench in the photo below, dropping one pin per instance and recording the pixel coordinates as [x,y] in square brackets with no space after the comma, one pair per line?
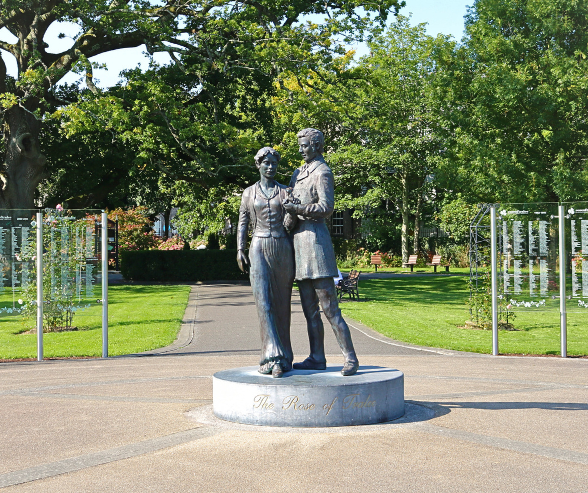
[349,285]
[412,260]
[436,262]
[376,260]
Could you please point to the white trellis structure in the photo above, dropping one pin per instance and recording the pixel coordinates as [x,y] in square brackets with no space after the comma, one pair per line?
[538,259]
[68,251]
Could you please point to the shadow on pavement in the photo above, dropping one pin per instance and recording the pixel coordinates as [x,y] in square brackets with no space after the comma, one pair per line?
[187,353]
[499,406]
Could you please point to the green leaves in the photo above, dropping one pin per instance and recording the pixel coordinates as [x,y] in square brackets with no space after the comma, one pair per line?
[519,102]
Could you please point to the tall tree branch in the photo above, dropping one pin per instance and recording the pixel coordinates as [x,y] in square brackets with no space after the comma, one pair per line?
[2,74]
[10,48]
[90,44]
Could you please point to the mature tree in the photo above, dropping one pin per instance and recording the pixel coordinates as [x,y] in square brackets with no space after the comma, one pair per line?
[382,133]
[517,101]
[218,37]
[397,140]
[83,171]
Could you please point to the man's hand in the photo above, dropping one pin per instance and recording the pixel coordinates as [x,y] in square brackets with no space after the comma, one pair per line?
[291,208]
[242,260]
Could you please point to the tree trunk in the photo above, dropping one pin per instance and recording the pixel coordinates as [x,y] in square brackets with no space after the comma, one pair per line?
[24,164]
[166,221]
[405,219]
[417,225]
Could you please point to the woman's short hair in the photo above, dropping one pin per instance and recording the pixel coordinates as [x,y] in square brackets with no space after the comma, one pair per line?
[263,152]
[315,136]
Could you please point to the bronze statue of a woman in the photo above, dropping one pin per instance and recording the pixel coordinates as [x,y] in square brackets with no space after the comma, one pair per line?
[271,260]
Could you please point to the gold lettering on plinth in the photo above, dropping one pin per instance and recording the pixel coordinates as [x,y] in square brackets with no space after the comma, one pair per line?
[328,407]
[261,401]
[352,401]
[292,402]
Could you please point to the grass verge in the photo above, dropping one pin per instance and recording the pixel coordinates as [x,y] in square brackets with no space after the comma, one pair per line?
[431,311]
[402,270]
[140,318]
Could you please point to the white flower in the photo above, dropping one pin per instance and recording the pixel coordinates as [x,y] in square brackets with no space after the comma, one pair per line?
[20,302]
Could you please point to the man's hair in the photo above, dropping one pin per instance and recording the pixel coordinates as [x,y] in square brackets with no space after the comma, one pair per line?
[264,151]
[315,136]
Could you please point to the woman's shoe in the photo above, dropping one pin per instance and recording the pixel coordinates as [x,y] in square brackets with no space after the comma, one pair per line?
[277,371]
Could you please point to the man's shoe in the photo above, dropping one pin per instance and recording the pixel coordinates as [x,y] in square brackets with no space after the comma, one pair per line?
[350,368]
[310,364]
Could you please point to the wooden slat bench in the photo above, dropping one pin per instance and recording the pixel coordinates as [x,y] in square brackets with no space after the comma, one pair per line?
[412,260]
[436,262]
[376,260]
[349,285]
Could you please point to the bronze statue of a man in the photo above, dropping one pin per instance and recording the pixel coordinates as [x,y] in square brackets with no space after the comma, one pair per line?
[313,201]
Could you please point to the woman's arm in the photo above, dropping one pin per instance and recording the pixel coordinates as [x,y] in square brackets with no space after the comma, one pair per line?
[242,228]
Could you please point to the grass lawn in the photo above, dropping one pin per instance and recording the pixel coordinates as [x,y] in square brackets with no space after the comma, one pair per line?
[402,270]
[431,311]
[140,318]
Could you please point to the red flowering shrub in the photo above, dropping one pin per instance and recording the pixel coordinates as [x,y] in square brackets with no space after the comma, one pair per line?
[173,243]
[134,229]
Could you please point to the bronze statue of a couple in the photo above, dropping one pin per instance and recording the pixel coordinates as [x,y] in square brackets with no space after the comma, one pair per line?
[290,242]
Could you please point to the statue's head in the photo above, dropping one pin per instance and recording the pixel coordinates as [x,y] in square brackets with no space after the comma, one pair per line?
[266,161]
[263,152]
[311,143]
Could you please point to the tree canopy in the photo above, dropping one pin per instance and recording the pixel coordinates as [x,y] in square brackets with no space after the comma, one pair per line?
[211,42]
[417,124]
[517,102]
[384,140]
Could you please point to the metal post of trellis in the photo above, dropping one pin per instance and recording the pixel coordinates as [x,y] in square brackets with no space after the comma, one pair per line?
[562,283]
[104,229]
[39,286]
[494,274]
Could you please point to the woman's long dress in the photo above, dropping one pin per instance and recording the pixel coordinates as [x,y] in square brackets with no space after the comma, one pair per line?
[271,273]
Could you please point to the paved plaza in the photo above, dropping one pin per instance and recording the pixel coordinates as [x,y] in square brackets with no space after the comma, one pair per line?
[144,423]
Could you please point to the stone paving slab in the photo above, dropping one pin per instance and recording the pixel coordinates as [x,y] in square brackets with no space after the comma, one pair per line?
[474,422]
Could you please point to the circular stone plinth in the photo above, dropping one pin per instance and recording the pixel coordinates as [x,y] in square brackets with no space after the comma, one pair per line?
[308,398]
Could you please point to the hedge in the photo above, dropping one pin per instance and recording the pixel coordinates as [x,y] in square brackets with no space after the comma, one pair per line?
[181,265]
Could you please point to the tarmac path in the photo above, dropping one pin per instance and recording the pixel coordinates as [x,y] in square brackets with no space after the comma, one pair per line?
[144,424]
[224,321]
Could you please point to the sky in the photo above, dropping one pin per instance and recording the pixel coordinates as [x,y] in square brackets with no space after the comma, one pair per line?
[441,16]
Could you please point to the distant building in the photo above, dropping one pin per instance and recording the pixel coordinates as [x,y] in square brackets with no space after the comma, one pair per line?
[342,225]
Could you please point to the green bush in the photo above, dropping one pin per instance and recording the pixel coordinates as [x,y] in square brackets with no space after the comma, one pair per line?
[457,255]
[355,259]
[181,265]
[344,247]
